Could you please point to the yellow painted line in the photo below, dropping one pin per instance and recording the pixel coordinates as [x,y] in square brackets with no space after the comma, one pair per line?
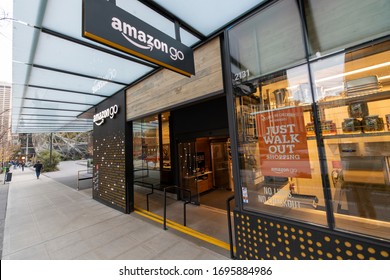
[148,216]
[183,229]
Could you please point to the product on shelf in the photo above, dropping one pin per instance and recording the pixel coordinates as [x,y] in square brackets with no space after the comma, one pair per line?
[388,121]
[373,123]
[358,110]
[310,129]
[281,96]
[362,85]
[327,127]
[351,125]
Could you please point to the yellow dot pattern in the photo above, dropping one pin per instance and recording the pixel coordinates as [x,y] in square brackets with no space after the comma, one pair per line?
[266,239]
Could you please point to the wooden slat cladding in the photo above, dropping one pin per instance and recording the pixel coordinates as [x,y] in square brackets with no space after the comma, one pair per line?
[166,89]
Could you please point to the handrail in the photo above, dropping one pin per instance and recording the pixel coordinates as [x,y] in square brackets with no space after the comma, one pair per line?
[184,205]
[141,169]
[147,195]
[81,179]
[230,226]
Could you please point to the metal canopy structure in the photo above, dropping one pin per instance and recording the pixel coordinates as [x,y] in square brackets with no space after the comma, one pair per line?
[58,75]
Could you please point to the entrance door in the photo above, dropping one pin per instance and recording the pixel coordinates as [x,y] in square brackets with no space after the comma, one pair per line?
[220,160]
[188,169]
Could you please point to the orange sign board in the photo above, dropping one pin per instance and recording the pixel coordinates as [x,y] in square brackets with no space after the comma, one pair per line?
[283,144]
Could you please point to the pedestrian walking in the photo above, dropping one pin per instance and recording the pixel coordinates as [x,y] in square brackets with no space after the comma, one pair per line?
[38,168]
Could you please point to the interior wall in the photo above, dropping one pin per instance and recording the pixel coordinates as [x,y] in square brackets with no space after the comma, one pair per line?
[204,119]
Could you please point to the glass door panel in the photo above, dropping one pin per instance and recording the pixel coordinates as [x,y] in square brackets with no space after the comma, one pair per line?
[188,169]
[146,155]
[220,160]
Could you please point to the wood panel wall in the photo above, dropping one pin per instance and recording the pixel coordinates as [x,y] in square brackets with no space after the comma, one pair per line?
[167,89]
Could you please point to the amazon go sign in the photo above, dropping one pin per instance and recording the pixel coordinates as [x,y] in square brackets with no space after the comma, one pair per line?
[99,118]
[106,23]
[142,40]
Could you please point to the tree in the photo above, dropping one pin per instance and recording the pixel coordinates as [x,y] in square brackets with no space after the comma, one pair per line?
[5,143]
[49,165]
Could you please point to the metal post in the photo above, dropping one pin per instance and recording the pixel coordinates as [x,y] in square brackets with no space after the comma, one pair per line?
[26,146]
[177,31]
[185,214]
[51,146]
[184,205]
[78,181]
[230,226]
[165,209]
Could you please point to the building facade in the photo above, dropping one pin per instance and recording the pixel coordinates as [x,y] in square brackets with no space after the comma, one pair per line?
[288,111]
[5,120]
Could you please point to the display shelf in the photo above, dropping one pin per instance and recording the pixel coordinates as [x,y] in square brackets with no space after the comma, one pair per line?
[352,135]
[346,100]
[305,107]
[341,101]
[356,135]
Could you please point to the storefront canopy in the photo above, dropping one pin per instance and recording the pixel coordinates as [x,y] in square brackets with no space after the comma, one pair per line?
[59,76]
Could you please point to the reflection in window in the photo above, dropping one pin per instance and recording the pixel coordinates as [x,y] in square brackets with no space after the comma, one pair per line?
[334,25]
[267,42]
[146,155]
[279,163]
[166,150]
[359,152]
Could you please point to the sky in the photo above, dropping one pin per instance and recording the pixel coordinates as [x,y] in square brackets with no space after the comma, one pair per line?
[5,41]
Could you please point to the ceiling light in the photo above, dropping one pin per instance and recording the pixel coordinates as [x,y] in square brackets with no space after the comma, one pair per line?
[354,72]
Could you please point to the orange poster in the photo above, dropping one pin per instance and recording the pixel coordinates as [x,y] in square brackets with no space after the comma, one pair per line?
[283,145]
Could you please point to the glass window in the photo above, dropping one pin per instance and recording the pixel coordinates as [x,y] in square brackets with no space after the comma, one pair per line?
[354,97]
[335,25]
[279,164]
[267,42]
[276,88]
[278,156]
[146,154]
[214,13]
[166,143]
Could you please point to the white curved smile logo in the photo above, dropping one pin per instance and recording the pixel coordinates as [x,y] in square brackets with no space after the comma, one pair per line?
[149,46]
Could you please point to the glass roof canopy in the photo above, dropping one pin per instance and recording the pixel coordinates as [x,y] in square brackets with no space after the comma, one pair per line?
[58,75]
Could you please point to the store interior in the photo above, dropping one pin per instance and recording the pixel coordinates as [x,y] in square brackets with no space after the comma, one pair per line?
[352,98]
[205,170]
[187,153]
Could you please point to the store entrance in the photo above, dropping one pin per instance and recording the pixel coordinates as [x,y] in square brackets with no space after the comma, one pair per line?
[205,170]
[186,148]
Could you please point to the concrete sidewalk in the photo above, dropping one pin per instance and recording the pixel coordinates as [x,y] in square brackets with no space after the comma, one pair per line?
[48,220]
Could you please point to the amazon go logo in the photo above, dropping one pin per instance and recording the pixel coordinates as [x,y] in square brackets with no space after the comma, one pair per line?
[99,118]
[175,54]
[144,41]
